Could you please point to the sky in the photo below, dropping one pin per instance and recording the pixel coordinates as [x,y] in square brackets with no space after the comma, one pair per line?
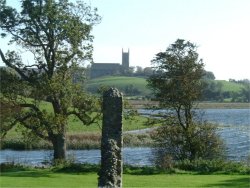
[220,29]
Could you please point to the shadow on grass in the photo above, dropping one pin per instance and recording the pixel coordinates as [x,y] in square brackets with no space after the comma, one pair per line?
[28,173]
[239,182]
[77,168]
[135,170]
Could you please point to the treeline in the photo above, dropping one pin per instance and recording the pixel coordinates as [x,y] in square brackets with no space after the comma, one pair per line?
[213,90]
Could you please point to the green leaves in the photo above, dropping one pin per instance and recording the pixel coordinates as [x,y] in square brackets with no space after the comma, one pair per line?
[178,74]
[57,33]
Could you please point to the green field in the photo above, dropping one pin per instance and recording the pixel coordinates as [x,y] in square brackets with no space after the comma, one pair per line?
[47,178]
[79,136]
[229,86]
[120,82]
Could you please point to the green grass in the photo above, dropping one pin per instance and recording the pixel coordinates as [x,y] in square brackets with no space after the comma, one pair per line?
[79,136]
[47,178]
[75,126]
[120,82]
[140,83]
[229,86]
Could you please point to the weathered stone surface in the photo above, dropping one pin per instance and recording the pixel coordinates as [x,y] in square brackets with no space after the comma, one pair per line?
[110,174]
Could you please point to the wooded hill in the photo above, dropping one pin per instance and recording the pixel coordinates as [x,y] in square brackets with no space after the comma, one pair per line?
[215,90]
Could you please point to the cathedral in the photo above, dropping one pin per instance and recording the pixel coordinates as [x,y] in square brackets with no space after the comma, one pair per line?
[105,69]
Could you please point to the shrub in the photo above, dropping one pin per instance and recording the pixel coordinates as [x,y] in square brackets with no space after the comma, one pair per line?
[211,166]
[76,168]
[173,143]
[137,140]
[11,167]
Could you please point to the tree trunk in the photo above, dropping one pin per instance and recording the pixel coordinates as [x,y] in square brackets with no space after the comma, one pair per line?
[59,146]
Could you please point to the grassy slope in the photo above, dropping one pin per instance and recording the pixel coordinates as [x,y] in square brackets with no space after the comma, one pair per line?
[229,86]
[140,83]
[46,178]
[120,82]
[76,127]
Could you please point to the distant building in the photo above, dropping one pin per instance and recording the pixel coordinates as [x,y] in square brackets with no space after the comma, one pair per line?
[105,69]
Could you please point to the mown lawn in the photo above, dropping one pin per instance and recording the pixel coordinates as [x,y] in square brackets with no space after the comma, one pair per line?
[47,178]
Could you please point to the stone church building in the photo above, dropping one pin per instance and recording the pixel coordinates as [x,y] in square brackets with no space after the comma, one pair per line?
[105,69]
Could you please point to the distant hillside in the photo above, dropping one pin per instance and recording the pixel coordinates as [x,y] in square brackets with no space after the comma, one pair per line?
[229,86]
[136,86]
[130,86]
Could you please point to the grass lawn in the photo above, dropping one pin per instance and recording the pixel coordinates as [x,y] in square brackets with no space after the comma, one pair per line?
[75,126]
[47,178]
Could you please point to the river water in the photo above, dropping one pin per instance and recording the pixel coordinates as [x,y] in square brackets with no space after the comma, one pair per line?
[132,156]
[234,130]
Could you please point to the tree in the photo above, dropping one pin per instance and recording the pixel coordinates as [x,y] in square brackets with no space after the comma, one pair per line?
[177,80]
[208,75]
[148,71]
[139,71]
[174,143]
[245,92]
[57,33]
[177,85]
[212,91]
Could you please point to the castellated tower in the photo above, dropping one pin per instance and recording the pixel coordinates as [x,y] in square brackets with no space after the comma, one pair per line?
[125,60]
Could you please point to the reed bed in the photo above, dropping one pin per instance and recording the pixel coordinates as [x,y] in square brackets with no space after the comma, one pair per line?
[87,140]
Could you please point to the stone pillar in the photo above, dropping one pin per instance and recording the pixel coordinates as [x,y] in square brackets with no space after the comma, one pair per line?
[110,174]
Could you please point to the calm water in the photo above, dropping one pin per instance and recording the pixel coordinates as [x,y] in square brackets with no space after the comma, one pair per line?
[235,117]
[234,129]
[132,156]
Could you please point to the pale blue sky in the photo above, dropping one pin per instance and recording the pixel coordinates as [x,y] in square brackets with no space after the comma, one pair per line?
[220,28]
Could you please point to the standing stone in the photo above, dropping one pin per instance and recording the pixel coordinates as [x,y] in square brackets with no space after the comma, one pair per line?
[110,174]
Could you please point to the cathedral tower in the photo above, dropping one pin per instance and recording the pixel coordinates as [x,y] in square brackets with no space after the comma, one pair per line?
[125,59]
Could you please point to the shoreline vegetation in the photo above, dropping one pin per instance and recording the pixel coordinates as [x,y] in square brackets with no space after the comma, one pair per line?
[77,141]
[137,104]
[89,137]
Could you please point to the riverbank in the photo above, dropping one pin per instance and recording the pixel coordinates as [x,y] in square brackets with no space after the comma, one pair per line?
[140,104]
[233,127]
[79,136]
[87,140]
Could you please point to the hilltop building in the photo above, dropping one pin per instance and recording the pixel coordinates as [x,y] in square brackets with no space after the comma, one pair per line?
[105,69]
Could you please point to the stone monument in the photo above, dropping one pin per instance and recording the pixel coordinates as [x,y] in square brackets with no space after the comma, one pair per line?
[110,174]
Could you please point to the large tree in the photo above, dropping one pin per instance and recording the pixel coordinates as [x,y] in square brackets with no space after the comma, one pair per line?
[177,85]
[177,80]
[58,35]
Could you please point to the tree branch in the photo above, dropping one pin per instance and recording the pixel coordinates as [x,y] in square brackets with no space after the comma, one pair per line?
[81,117]
[34,129]
[18,70]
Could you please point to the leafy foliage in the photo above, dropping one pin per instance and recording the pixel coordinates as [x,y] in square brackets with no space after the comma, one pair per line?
[177,85]
[57,33]
[175,144]
[177,81]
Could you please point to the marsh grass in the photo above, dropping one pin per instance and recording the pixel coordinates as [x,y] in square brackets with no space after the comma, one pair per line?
[88,140]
